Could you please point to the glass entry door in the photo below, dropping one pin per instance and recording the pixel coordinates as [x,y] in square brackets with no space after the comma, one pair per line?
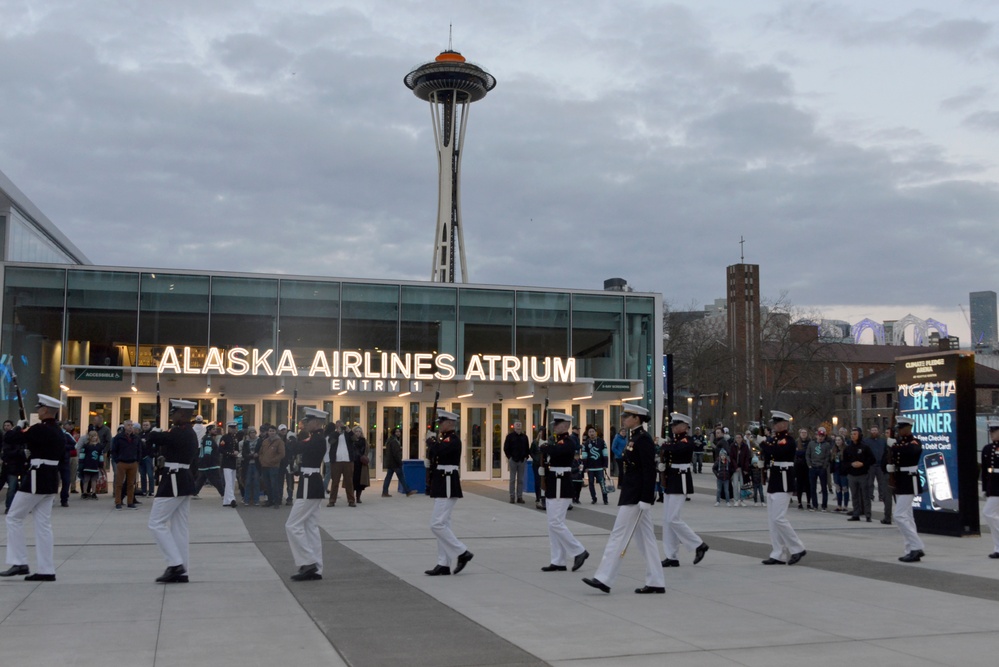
[101,413]
[475,427]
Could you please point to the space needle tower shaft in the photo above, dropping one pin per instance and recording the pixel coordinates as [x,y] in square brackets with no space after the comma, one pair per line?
[450,85]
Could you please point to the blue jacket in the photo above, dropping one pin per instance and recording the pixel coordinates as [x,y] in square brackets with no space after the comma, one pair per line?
[617,446]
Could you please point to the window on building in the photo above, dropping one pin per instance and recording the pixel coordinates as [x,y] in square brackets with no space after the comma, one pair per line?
[995,398]
[542,324]
[597,343]
[101,318]
[874,400]
[429,320]
[173,310]
[485,323]
[369,318]
[244,313]
[309,317]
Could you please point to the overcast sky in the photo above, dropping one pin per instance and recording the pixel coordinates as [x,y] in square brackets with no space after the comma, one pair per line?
[854,144]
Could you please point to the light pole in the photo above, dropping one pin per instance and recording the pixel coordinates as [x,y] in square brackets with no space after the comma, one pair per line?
[859,390]
[835,421]
[690,408]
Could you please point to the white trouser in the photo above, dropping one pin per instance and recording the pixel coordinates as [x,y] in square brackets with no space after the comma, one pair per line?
[675,530]
[902,514]
[302,528]
[564,544]
[449,547]
[991,514]
[17,546]
[644,540]
[168,524]
[783,539]
[230,486]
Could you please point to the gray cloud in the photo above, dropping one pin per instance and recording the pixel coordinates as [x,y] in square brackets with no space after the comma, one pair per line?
[619,141]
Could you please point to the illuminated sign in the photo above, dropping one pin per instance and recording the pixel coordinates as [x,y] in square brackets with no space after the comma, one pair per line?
[351,364]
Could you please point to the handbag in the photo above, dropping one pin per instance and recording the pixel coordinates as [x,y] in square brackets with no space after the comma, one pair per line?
[609,485]
[102,482]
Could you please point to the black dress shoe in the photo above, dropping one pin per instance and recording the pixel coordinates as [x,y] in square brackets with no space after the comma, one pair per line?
[796,557]
[596,583]
[15,571]
[886,521]
[994,554]
[554,568]
[773,561]
[439,571]
[699,552]
[232,504]
[307,573]
[645,590]
[868,519]
[578,561]
[40,577]
[670,562]
[911,557]
[854,518]
[463,561]
[919,552]
[175,574]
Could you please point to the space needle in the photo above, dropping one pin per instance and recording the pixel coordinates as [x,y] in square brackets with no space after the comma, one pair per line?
[450,85]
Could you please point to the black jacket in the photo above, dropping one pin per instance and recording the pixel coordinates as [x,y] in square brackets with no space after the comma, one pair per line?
[445,452]
[516,447]
[560,455]
[178,445]
[638,482]
[858,452]
[45,441]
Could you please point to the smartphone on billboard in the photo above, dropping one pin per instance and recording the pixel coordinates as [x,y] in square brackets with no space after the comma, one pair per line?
[937,479]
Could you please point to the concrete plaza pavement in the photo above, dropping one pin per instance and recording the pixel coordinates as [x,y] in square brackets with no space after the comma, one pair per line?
[848,600]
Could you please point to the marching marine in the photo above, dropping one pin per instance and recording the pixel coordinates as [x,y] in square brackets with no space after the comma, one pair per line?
[903,466]
[990,484]
[677,481]
[44,448]
[168,518]
[778,454]
[302,525]
[558,496]
[443,459]
[634,515]
[229,449]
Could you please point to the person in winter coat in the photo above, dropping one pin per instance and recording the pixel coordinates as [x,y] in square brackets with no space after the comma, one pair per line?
[723,468]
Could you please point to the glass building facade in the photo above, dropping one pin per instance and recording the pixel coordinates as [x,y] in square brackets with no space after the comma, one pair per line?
[96,335]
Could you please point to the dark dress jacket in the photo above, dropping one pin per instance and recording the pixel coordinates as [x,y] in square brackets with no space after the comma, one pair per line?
[990,469]
[780,450]
[678,452]
[446,451]
[858,452]
[178,445]
[45,442]
[905,453]
[560,455]
[638,481]
[229,449]
[312,449]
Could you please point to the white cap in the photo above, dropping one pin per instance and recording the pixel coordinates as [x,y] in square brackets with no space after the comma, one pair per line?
[778,416]
[561,417]
[282,427]
[181,404]
[679,418]
[45,401]
[313,413]
[443,414]
[904,421]
[197,418]
[637,410]
[233,424]
[993,423]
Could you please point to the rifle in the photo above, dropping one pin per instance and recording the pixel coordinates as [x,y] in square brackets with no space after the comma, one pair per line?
[294,412]
[433,416]
[159,412]
[542,446]
[17,390]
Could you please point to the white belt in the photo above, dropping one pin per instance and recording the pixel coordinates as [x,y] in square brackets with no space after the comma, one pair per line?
[174,467]
[310,471]
[783,465]
[448,469]
[680,466]
[44,462]
[908,469]
[560,470]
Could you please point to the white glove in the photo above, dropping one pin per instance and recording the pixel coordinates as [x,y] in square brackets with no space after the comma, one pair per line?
[541,471]
[662,467]
[426,463]
[759,464]
[642,506]
[22,424]
[890,468]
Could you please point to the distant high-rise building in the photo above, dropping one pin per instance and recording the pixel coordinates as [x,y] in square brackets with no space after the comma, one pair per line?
[984,321]
[745,336]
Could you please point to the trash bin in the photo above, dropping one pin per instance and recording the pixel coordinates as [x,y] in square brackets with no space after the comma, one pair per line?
[529,477]
[415,473]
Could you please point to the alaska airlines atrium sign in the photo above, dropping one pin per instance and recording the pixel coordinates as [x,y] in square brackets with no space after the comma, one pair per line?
[238,361]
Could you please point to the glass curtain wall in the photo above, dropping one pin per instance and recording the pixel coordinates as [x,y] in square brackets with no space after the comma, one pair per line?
[32,333]
[640,362]
[101,315]
[485,323]
[428,320]
[542,324]
[370,319]
[310,317]
[596,335]
[173,310]
[244,313]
